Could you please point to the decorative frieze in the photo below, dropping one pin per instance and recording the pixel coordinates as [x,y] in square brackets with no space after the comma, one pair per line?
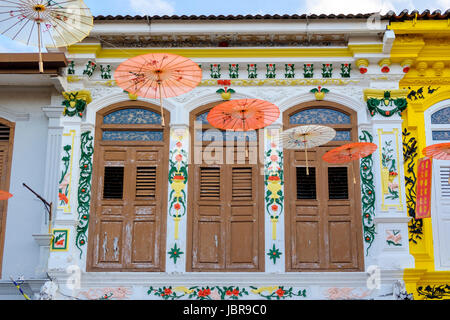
[271,71]
[289,71]
[346,69]
[105,72]
[75,102]
[386,103]
[215,71]
[319,92]
[90,68]
[252,71]
[308,70]
[234,71]
[327,70]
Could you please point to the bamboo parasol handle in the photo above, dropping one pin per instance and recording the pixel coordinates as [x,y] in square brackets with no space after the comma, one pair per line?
[41,63]
[161,103]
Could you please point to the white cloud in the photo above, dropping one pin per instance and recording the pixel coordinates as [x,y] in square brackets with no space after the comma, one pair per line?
[152,7]
[355,6]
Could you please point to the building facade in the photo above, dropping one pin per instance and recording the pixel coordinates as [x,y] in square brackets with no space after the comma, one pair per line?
[144,210]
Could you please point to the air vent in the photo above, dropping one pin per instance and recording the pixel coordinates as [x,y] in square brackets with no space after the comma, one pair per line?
[306,184]
[113,184]
[146,182]
[242,183]
[210,183]
[337,183]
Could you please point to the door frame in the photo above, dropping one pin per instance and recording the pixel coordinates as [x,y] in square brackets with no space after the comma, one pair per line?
[290,176]
[191,199]
[96,174]
[6,187]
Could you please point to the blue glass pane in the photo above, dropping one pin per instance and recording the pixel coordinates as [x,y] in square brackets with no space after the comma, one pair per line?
[320,116]
[441,116]
[441,135]
[133,136]
[216,135]
[202,118]
[343,136]
[132,116]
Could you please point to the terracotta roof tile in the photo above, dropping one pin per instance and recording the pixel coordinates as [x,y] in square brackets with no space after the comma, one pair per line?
[392,16]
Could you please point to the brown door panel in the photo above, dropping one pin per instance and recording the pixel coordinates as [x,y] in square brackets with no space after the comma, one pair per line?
[323,218]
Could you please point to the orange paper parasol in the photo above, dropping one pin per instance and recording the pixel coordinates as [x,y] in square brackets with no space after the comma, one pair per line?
[5,195]
[158,75]
[350,152]
[243,115]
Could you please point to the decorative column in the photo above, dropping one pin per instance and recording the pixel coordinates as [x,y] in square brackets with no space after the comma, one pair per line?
[391,219]
[177,199]
[274,200]
[69,237]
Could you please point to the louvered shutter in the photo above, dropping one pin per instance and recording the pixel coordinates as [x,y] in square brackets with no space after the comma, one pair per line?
[129,217]
[5,147]
[243,224]
[441,214]
[209,218]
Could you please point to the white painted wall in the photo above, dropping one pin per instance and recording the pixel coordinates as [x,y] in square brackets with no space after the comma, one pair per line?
[25,213]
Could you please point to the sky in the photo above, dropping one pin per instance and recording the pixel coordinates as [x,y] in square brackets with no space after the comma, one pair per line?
[221,7]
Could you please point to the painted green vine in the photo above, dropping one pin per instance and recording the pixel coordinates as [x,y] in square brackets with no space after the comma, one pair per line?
[281,293]
[410,156]
[224,292]
[84,189]
[199,293]
[368,194]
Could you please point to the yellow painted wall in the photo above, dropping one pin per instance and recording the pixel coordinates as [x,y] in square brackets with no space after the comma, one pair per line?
[427,43]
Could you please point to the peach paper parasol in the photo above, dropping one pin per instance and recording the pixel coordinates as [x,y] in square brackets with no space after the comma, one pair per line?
[158,75]
[305,137]
[243,115]
[440,151]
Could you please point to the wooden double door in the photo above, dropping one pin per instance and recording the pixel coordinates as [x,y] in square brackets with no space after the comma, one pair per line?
[128,223]
[226,231]
[323,217]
